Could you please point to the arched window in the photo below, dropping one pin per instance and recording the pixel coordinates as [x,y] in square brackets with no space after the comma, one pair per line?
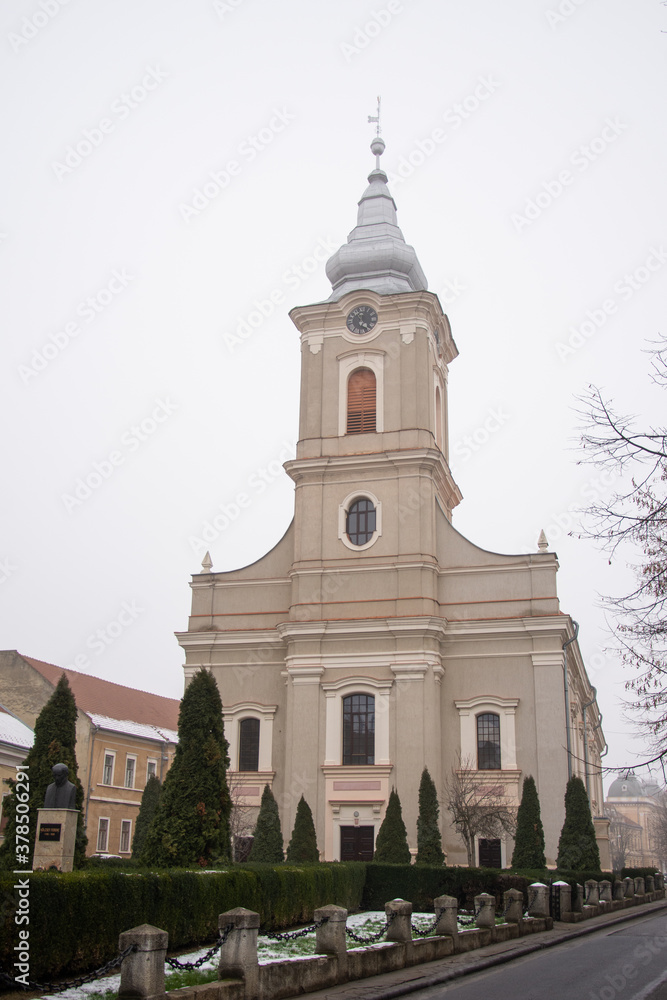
[361,402]
[361,522]
[249,745]
[488,742]
[359,729]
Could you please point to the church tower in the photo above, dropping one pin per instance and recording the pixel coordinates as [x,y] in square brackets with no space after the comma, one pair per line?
[374,640]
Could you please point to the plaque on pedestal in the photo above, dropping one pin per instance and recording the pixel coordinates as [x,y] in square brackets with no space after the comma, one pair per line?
[55,839]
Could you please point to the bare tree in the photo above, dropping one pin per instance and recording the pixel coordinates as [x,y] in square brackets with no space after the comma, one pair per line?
[243,817]
[478,806]
[633,519]
[623,837]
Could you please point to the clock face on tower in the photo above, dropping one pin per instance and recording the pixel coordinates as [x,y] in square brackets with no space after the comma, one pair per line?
[362,319]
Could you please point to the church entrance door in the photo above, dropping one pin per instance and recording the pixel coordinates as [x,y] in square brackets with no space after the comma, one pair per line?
[357,843]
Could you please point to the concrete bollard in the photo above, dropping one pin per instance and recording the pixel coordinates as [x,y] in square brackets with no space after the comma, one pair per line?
[538,900]
[330,937]
[485,910]
[629,884]
[592,892]
[399,929]
[564,890]
[578,899]
[649,883]
[659,880]
[618,892]
[513,906]
[238,955]
[605,891]
[448,909]
[639,886]
[142,971]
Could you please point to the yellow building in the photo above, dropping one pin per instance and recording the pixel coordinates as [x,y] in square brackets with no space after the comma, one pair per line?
[635,810]
[123,736]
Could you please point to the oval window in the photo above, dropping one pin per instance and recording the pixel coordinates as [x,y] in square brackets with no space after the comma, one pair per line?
[361,520]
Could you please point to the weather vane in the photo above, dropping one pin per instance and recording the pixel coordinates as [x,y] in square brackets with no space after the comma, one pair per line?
[376,119]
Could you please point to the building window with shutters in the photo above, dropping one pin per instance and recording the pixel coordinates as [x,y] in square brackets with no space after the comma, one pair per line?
[361,403]
[359,729]
[107,772]
[125,830]
[103,835]
[488,742]
[249,745]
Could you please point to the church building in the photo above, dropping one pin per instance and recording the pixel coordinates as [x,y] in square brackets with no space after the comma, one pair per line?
[374,639]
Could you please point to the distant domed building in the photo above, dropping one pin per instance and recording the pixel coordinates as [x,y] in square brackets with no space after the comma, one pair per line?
[634,809]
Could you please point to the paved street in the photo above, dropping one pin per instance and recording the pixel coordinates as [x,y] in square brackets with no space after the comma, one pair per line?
[627,962]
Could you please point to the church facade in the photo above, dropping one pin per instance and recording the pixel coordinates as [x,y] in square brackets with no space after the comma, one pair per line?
[374,639]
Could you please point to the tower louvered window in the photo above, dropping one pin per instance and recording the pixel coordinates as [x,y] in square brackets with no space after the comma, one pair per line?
[361,402]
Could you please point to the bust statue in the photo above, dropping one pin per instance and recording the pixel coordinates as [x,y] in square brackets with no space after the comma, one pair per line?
[61,793]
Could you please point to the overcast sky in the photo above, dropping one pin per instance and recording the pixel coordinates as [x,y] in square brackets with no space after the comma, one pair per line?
[174,175]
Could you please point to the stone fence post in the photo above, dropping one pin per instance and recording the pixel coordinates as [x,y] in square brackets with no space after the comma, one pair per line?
[639,886]
[592,892]
[649,882]
[605,891]
[399,929]
[659,880]
[448,908]
[238,955]
[629,884]
[564,890]
[142,972]
[513,906]
[619,890]
[578,899]
[330,937]
[485,910]
[538,900]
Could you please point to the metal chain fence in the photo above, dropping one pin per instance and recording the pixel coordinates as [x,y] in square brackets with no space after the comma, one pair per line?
[175,964]
[293,935]
[61,987]
[429,930]
[370,938]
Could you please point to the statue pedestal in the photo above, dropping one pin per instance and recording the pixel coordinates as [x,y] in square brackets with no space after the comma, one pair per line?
[55,839]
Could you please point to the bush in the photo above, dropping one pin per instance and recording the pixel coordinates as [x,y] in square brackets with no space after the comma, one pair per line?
[391,844]
[529,837]
[267,845]
[577,847]
[303,845]
[100,904]
[429,841]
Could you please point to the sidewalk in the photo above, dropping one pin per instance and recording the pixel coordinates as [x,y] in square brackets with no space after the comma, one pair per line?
[419,977]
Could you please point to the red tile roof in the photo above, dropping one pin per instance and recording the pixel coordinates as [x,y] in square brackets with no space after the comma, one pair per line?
[92,694]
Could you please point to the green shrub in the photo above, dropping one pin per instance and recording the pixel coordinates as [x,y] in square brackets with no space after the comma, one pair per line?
[429,841]
[267,845]
[577,846]
[529,836]
[100,904]
[303,845]
[391,844]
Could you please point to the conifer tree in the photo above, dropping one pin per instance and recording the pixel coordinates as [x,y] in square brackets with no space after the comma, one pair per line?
[429,841]
[55,742]
[191,822]
[529,837]
[303,845]
[391,845]
[149,803]
[267,845]
[577,847]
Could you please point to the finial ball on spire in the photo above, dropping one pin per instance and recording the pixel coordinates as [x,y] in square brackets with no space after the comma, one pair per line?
[377,146]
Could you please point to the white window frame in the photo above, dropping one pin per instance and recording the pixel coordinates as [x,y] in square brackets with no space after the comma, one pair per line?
[107,831]
[348,363]
[233,714]
[131,757]
[112,754]
[343,508]
[505,708]
[128,849]
[334,694]
[153,761]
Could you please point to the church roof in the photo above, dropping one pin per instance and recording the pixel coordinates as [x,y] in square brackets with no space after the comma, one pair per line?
[94,695]
[629,786]
[376,255]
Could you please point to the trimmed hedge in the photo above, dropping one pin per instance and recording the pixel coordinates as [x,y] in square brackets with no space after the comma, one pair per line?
[76,918]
